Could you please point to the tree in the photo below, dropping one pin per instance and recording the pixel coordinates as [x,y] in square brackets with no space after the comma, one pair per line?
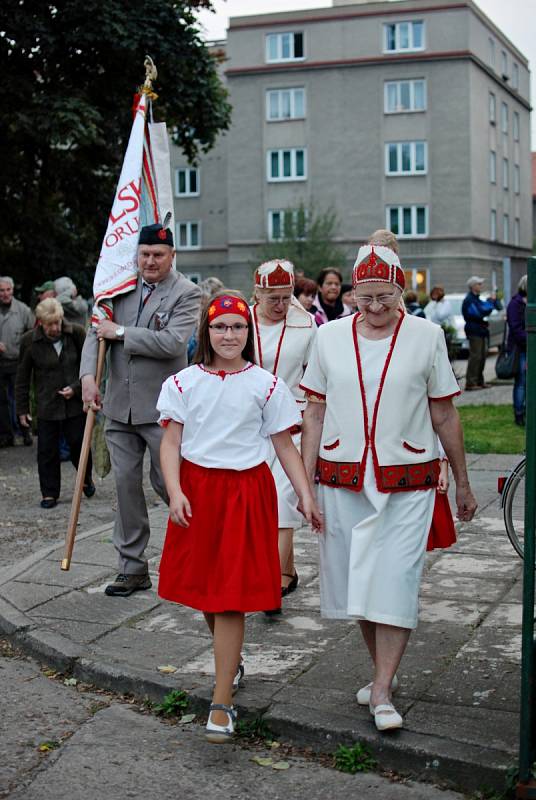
[70,69]
[307,239]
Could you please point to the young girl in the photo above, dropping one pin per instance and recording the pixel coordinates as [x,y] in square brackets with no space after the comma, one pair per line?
[220,554]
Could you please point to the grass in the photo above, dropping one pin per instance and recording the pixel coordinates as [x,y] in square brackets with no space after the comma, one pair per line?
[354,759]
[491,429]
[173,704]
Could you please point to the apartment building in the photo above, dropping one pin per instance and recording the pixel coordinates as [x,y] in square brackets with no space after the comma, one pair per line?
[411,115]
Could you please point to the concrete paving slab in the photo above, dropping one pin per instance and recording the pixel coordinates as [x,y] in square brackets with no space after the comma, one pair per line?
[499,644]
[461,564]
[433,609]
[464,589]
[75,630]
[50,573]
[29,595]
[503,615]
[478,682]
[147,650]
[79,605]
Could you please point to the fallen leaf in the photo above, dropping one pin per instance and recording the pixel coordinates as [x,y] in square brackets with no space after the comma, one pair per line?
[167,669]
[50,673]
[187,718]
[274,745]
[262,762]
[281,765]
[70,681]
[44,747]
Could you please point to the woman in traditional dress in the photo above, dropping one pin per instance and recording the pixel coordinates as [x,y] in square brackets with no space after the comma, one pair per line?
[284,334]
[380,388]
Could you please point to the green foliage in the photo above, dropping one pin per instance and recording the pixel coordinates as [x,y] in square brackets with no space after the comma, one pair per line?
[354,759]
[307,240]
[69,74]
[491,429]
[253,729]
[173,704]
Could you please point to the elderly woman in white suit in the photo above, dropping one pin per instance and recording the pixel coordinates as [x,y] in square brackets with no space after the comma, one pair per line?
[284,335]
[380,391]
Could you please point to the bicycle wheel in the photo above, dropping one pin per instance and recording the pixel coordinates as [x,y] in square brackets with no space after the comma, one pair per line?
[514,508]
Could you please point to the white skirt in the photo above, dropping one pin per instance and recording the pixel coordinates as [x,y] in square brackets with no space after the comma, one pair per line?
[287,499]
[372,552]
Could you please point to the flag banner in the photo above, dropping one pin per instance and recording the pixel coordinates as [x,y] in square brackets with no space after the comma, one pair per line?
[158,137]
[135,204]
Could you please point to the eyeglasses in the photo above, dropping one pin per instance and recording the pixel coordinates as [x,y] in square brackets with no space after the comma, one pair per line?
[274,301]
[363,301]
[221,329]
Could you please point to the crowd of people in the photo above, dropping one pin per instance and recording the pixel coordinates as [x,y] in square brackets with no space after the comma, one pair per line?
[246,403]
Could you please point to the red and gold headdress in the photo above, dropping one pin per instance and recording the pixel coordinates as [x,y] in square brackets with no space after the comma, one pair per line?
[228,304]
[378,264]
[276,274]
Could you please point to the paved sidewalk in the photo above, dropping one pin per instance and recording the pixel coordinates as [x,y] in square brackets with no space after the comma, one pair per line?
[459,679]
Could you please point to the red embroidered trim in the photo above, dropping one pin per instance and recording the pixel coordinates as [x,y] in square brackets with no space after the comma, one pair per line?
[332,446]
[311,391]
[363,402]
[219,372]
[270,393]
[447,396]
[398,478]
[177,384]
[258,337]
[164,423]
[413,449]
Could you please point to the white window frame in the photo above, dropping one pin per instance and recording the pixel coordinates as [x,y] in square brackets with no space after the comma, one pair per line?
[399,109]
[492,166]
[504,118]
[517,232]
[411,48]
[293,176]
[413,158]
[515,126]
[279,38]
[515,75]
[282,212]
[188,223]
[188,171]
[492,105]
[293,90]
[506,228]
[413,234]
[517,179]
[505,174]
[493,225]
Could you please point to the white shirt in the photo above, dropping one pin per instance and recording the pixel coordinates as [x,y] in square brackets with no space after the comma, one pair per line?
[227,420]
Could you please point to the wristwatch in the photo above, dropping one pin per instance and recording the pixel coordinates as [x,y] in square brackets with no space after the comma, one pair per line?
[119,332]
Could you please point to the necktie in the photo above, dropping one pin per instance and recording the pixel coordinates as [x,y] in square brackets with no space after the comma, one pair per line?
[148,288]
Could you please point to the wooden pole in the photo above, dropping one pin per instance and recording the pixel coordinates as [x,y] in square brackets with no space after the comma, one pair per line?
[82,464]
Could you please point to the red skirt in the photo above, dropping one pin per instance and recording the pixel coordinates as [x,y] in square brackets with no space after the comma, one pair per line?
[227,559]
[442,531]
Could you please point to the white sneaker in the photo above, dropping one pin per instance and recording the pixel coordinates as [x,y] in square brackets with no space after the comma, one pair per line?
[386,717]
[363,695]
[220,734]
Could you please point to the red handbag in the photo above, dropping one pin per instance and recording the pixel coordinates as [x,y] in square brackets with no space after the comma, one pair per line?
[442,531]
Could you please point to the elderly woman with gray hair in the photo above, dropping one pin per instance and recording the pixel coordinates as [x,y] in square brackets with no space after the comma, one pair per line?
[517,339]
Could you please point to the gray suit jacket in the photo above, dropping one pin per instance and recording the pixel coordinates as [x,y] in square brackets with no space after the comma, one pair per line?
[154,347]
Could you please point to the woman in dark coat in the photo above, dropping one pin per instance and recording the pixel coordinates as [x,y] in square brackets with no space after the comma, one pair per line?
[517,337]
[50,354]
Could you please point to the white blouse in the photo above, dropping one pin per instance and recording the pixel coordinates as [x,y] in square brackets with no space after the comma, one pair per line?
[227,417]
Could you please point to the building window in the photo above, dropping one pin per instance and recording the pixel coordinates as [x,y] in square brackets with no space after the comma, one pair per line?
[284,47]
[492,108]
[515,126]
[188,235]
[284,104]
[195,277]
[504,118]
[492,167]
[491,52]
[517,179]
[493,225]
[515,75]
[287,224]
[517,233]
[287,165]
[186,182]
[504,64]
[405,158]
[505,173]
[407,221]
[506,228]
[403,36]
[401,96]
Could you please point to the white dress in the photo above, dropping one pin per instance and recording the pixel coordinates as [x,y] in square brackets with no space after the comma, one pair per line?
[372,552]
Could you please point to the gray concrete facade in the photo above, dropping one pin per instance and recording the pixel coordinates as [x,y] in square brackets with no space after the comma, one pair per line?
[354,94]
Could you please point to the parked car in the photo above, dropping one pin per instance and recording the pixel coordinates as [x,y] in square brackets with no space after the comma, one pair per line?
[496,322]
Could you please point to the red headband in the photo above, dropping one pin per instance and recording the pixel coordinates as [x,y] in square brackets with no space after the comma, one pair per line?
[227,304]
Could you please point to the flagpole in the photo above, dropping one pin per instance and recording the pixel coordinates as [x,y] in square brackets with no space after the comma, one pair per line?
[147,89]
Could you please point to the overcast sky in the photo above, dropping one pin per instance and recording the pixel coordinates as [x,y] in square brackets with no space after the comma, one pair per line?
[516,18]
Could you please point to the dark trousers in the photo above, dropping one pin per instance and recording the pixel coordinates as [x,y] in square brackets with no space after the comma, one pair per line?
[520,385]
[478,350]
[7,405]
[48,454]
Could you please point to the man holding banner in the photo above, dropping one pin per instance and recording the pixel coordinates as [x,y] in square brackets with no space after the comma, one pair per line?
[145,313]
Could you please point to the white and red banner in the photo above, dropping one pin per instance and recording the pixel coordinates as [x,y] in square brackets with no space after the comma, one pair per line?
[143,197]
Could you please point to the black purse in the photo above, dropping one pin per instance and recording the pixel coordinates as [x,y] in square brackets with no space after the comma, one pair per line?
[507,362]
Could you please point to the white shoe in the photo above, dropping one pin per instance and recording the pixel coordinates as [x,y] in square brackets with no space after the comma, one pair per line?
[363,695]
[237,680]
[386,717]
[220,734]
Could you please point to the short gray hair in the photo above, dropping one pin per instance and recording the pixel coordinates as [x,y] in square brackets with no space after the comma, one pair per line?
[8,280]
[521,286]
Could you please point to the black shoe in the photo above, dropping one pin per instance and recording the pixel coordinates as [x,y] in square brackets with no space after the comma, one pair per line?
[48,502]
[520,420]
[27,438]
[125,585]
[89,489]
[273,613]
[293,585]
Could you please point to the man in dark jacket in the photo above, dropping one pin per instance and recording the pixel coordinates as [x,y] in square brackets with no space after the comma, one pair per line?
[517,338]
[51,354]
[474,312]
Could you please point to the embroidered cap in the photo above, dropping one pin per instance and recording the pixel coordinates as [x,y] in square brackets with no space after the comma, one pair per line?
[275,274]
[155,234]
[378,264]
[227,304]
